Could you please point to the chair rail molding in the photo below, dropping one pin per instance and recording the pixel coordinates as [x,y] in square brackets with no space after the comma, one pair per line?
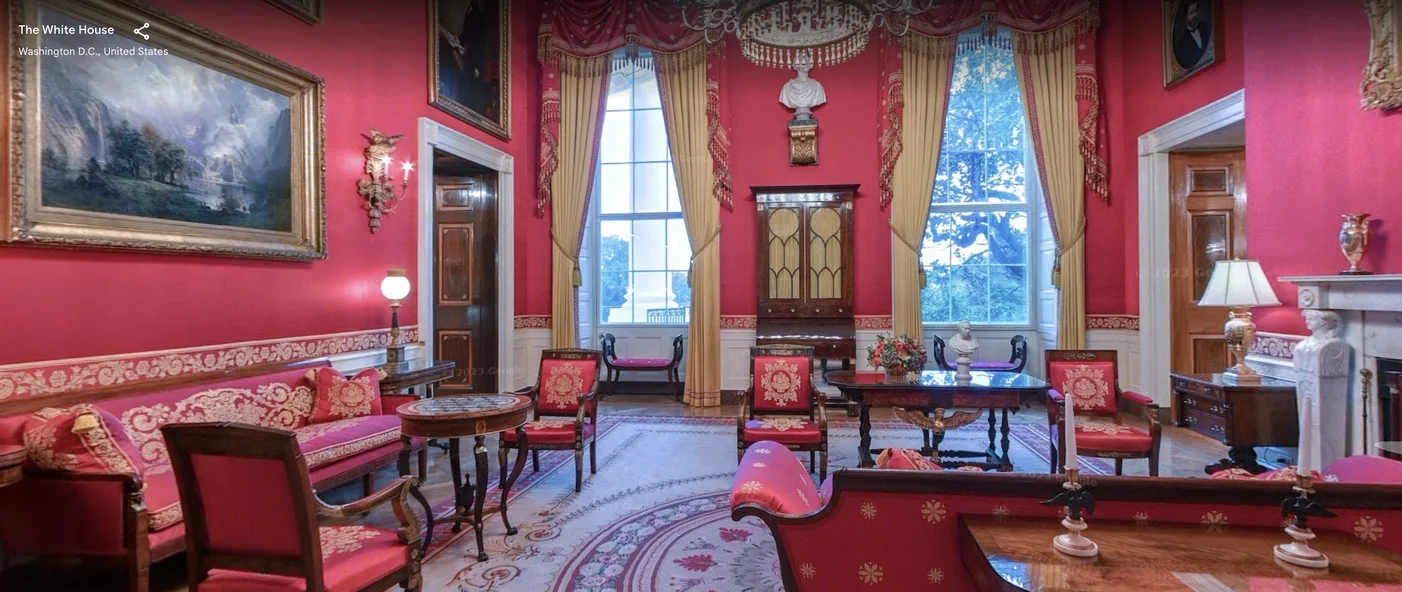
[1155,305]
[436,135]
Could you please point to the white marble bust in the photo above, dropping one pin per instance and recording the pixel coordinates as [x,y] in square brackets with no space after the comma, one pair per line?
[802,93]
[963,343]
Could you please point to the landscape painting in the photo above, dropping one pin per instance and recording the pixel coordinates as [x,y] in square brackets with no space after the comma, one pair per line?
[148,137]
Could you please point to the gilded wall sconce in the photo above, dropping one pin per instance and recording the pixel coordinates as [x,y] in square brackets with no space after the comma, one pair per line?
[378,190]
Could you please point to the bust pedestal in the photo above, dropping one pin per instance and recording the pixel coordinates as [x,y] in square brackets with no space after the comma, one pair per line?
[803,142]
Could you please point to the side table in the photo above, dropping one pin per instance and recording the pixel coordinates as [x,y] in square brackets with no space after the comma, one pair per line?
[415,373]
[1242,416]
[458,417]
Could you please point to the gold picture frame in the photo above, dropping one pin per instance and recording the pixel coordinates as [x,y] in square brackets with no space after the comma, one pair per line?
[463,85]
[1190,38]
[1382,77]
[256,188]
[307,10]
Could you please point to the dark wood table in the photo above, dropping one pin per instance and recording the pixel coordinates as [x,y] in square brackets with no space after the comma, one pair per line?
[415,373]
[1016,555]
[1242,416]
[939,390]
[454,418]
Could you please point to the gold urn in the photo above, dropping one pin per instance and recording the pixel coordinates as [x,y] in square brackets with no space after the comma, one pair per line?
[1353,241]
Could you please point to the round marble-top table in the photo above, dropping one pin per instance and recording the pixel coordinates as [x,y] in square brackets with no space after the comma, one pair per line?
[454,418]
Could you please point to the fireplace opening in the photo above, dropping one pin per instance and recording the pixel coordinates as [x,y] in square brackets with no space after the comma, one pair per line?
[1389,392]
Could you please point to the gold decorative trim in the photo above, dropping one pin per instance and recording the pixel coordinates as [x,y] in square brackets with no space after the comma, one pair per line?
[1113,322]
[531,322]
[874,322]
[53,377]
[1382,76]
[739,322]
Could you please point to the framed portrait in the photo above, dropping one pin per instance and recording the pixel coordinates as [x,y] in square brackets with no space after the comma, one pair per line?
[470,62]
[1189,38]
[171,140]
[1382,77]
[307,10]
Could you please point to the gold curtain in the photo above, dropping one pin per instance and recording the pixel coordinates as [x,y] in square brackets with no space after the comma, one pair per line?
[928,62]
[682,77]
[1046,72]
[581,93]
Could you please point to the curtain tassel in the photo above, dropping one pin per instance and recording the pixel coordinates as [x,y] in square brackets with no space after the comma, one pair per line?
[577,277]
[1056,272]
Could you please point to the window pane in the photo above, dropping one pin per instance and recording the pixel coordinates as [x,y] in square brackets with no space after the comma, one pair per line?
[963,127]
[614,289]
[956,177]
[674,197]
[649,245]
[650,136]
[645,93]
[1004,177]
[678,246]
[1003,130]
[620,92]
[968,293]
[681,292]
[650,186]
[1006,234]
[650,294]
[615,240]
[617,133]
[615,188]
[1007,293]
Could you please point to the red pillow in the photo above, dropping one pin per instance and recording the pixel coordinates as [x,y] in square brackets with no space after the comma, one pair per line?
[81,439]
[905,459]
[338,397]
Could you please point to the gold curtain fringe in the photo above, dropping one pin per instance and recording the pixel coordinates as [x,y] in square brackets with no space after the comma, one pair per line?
[718,144]
[930,47]
[1097,170]
[681,60]
[573,65]
[890,141]
[1045,43]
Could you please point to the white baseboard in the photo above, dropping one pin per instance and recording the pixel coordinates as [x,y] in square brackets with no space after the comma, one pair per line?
[1126,346]
[735,347]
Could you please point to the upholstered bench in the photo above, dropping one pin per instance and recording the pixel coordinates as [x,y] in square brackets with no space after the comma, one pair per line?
[616,366]
[136,519]
[904,524]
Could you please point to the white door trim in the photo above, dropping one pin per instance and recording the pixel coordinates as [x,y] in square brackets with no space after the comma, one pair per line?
[436,135]
[1155,305]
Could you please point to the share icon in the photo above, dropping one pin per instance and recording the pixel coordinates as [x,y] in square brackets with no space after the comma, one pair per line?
[139,30]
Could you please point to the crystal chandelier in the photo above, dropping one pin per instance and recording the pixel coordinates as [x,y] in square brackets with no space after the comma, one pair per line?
[775,32]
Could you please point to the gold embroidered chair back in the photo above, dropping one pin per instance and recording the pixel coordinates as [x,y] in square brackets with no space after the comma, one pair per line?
[564,375]
[781,379]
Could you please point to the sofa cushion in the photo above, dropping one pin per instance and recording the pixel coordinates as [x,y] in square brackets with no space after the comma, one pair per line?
[338,397]
[352,558]
[1105,436]
[550,431]
[162,501]
[324,443]
[785,430]
[641,362]
[80,439]
[905,459]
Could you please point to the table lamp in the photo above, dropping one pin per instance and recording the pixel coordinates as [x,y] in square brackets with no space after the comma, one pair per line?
[1239,284]
[395,287]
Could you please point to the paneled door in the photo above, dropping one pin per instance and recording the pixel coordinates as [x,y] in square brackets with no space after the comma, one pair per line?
[464,277]
[1208,224]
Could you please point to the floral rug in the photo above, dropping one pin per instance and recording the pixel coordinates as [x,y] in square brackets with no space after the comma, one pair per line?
[657,515]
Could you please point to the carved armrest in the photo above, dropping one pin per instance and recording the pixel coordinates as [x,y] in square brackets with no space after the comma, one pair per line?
[822,411]
[397,493]
[1054,401]
[1141,405]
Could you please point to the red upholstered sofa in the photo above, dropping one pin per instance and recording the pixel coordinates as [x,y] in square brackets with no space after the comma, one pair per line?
[904,524]
[132,521]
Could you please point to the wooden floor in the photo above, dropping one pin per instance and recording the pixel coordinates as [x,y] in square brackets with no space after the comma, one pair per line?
[1184,454]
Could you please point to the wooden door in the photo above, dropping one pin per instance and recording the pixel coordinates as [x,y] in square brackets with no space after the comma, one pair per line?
[1208,224]
[464,278]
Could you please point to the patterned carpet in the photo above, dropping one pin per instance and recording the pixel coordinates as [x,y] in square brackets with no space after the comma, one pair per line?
[656,516]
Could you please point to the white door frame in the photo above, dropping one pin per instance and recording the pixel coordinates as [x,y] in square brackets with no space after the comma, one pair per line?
[436,135]
[1155,303]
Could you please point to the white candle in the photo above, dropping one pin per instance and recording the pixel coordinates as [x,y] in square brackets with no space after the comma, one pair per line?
[1069,429]
[407,166]
[1307,458]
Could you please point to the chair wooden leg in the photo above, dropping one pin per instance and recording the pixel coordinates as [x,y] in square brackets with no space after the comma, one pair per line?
[578,469]
[423,466]
[812,461]
[1055,460]
[501,461]
[822,467]
[535,461]
[1119,466]
[1154,462]
[593,459]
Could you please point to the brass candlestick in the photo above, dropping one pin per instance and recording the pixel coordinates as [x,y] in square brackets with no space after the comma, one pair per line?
[1353,241]
[1302,507]
[1077,500]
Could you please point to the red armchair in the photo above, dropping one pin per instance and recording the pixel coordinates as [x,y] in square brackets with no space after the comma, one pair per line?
[565,388]
[251,518]
[1091,378]
[782,405]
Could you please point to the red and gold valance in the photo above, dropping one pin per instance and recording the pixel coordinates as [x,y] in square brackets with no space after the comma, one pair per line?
[1041,26]
[588,28]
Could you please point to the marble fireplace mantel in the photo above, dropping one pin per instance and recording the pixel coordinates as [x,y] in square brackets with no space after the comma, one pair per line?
[1363,313]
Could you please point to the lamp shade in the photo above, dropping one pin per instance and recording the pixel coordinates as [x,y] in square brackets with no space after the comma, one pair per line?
[1238,283]
[395,286]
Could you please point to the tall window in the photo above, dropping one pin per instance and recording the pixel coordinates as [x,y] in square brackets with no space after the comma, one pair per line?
[643,249]
[975,250]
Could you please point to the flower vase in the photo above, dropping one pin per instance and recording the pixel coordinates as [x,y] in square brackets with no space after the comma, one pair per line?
[895,374]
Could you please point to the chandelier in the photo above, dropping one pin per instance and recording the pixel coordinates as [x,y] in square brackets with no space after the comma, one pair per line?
[775,33]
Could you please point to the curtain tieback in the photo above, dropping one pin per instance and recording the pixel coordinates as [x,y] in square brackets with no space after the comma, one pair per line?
[1056,265]
[698,251]
[919,269]
[576,277]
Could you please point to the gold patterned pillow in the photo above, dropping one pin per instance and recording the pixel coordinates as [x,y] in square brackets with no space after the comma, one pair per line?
[80,439]
[338,397]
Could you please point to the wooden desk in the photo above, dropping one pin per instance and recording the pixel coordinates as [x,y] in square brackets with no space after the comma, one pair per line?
[1016,555]
[407,375]
[1238,415]
[939,390]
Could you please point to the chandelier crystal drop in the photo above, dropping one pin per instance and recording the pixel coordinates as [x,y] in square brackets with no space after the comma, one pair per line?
[775,32]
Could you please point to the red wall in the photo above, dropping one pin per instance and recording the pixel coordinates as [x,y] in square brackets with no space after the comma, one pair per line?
[847,153]
[373,57]
[1135,102]
[1311,152]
